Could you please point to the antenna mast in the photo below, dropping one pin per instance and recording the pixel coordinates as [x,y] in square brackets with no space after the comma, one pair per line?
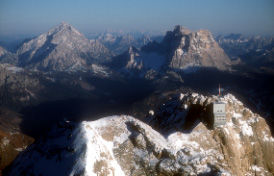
[219,90]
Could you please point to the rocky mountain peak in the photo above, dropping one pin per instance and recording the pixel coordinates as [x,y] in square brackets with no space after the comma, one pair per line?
[63,23]
[188,49]
[133,62]
[64,28]
[61,48]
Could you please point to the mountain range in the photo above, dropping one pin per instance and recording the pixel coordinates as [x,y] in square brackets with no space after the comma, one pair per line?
[63,48]
[180,49]
[255,52]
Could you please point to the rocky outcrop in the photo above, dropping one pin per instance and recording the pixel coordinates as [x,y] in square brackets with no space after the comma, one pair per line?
[127,60]
[242,146]
[137,61]
[61,48]
[123,145]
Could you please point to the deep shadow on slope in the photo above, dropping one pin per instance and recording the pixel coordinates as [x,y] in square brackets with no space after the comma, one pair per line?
[37,120]
[119,98]
[172,117]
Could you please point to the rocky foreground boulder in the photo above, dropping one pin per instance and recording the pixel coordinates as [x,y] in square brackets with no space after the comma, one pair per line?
[123,145]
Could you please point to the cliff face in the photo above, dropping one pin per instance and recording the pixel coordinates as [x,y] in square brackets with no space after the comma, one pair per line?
[194,49]
[123,145]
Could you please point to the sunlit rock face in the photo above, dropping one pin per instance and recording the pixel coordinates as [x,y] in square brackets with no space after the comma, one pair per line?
[123,145]
[241,146]
[61,48]
[194,49]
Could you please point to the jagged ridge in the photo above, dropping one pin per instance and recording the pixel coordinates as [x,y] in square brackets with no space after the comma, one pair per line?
[123,145]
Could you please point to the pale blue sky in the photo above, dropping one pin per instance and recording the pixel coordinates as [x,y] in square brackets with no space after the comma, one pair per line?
[26,17]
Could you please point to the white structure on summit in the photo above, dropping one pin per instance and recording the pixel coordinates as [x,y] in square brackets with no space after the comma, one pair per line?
[219,113]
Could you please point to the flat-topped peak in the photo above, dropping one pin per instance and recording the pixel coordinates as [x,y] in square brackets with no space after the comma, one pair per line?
[180,29]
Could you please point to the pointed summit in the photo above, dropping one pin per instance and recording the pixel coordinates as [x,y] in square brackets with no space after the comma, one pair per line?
[64,27]
[61,48]
[64,23]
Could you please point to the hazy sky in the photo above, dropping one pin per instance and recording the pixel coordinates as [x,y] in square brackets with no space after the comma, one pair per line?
[26,17]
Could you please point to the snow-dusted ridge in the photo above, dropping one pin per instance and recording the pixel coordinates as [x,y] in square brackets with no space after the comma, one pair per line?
[123,145]
[116,145]
[101,149]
